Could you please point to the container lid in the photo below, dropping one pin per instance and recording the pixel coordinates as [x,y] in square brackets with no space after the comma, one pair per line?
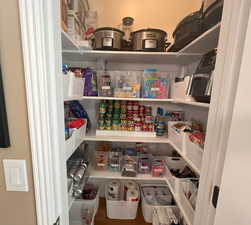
[109,29]
[150,30]
[127,21]
[188,19]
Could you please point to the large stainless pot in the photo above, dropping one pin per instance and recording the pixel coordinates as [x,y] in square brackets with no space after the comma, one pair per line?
[108,38]
[149,40]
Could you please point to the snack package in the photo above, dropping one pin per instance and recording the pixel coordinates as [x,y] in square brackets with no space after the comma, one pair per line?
[154,85]
[90,83]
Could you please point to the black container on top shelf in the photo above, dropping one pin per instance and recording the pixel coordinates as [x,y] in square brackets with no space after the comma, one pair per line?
[187,30]
[212,13]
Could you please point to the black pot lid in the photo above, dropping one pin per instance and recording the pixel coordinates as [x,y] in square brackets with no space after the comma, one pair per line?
[150,30]
[188,19]
[109,29]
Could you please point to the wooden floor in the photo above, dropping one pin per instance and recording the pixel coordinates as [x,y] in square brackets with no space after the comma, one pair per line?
[102,219]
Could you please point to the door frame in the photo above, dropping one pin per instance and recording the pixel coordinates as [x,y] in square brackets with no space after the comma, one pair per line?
[41,45]
[229,57]
[41,42]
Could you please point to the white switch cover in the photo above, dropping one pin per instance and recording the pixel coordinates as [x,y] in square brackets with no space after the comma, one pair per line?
[15,175]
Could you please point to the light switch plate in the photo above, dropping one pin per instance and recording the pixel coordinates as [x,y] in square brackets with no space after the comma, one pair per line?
[15,174]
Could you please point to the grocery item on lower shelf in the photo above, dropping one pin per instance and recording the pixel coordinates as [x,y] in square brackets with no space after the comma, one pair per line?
[154,85]
[122,198]
[166,216]
[153,195]
[125,116]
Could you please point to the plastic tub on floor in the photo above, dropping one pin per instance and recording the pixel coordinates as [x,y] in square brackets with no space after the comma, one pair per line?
[147,209]
[78,207]
[120,209]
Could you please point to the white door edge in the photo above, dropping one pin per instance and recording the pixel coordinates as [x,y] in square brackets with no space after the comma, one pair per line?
[41,44]
[230,49]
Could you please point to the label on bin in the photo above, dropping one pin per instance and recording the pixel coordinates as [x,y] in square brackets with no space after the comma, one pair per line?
[127,88]
[105,87]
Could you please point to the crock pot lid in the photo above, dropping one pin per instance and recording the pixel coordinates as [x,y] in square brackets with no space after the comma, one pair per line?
[108,28]
[150,30]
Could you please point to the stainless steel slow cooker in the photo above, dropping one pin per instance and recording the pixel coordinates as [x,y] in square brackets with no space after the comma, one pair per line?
[108,38]
[149,40]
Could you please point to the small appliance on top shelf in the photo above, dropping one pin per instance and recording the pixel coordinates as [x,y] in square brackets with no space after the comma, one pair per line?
[193,25]
[108,38]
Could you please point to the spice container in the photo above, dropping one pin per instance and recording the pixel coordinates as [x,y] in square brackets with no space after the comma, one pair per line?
[115,157]
[144,165]
[101,160]
[104,85]
[138,125]
[158,168]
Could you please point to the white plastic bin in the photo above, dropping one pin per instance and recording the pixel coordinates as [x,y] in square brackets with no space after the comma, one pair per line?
[123,210]
[147,209]
[194,152]
[175,163]
[163,220]
[186,205]
[175,136]
[73,86]
[76,211]
[75,140]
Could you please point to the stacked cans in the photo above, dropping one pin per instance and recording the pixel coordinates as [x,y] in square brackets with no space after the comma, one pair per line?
[126,116]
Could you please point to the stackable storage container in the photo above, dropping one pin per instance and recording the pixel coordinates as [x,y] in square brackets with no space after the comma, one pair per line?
[120,209]
[175,163]
[147,209]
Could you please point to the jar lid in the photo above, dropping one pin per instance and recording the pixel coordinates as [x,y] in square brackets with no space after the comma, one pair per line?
[127,21]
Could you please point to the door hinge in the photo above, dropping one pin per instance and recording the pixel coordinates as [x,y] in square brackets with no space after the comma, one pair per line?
[215,196]
[57,221]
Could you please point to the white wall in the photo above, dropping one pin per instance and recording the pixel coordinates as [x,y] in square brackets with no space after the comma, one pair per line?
[162,14]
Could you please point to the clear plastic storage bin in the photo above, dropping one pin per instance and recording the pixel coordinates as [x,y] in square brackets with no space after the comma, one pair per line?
[127,84]
[176,163]
[154,195]
[155,84]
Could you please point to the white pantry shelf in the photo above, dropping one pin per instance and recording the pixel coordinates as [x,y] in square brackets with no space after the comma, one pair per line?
[184,156]
[126,139]
[199,104]
[130,57]
[106,174]
[68,43]
[204,43]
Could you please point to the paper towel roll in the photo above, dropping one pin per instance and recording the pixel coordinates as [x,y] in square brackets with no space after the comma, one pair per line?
[130,185]
[132,195]
[114,189]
